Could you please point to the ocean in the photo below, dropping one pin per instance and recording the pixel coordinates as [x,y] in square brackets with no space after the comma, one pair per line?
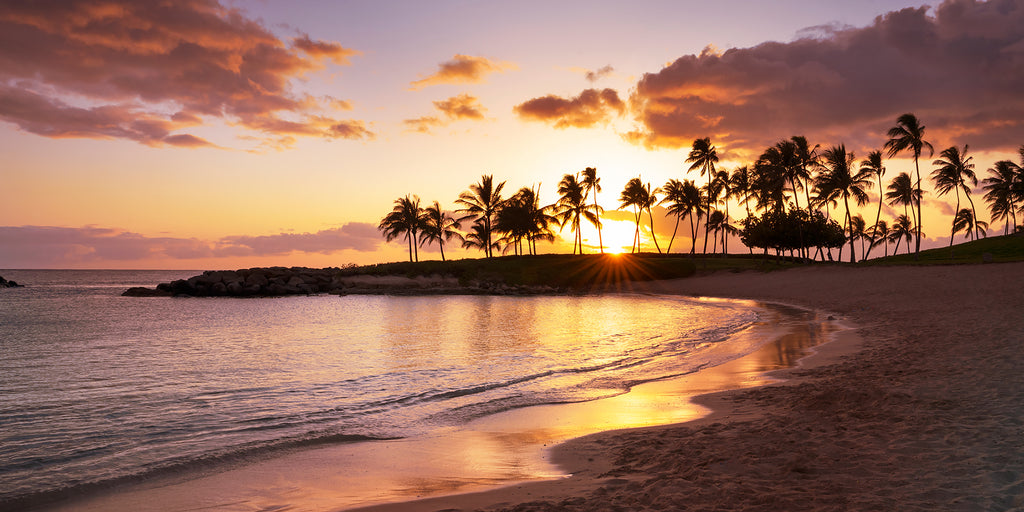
[97,389]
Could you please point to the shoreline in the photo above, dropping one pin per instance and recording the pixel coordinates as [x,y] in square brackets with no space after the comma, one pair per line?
[927,415]
[517,436]
[587,462]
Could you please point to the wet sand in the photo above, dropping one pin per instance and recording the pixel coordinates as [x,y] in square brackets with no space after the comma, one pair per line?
[928,414]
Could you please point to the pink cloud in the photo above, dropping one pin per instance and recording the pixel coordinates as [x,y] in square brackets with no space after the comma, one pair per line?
[591,107]
[463,106]
[462,69]
[960,71]
[50,246]
[108,69]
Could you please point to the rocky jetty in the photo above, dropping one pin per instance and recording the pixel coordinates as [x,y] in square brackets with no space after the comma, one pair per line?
[9,284]
[281,281]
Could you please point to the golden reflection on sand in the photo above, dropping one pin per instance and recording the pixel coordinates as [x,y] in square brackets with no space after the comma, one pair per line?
[495,450]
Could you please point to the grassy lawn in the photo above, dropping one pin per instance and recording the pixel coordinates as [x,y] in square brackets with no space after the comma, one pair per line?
[999,248]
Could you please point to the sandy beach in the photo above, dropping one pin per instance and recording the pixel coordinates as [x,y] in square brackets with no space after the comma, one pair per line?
[926,414]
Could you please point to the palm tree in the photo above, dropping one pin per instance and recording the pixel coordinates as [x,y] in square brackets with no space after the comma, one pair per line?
[769,179]
[858,231]
[405,218]
[483,200]
[439,226]
[673,190]
[477,238]
[880,235]
[521,218]
[839,181]
[964,221]
[591,183]
[740,182]
[805,158]
[908,135]
[641,198]
[571,208]
[901,191]
[703,157]
[902,229]
[954,171]
[872,165]
[1003,187]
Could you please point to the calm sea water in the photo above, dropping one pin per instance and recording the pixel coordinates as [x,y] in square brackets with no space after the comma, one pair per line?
[96,388]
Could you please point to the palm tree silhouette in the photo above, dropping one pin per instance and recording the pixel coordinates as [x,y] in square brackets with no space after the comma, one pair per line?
[964,221]
[477,238]
[591,183]
[901,191]
[872,165]
[572,207]
[805,158]
[838,180]
[439,226]
[483,200]
[880,235]
[954,171]
[858,231]
[740,181]
[641,198]
[1003,188]
[908,134]
[703,157]
[902,229]
[405,218]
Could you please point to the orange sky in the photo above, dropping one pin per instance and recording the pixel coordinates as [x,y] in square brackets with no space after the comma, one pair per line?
[204,135]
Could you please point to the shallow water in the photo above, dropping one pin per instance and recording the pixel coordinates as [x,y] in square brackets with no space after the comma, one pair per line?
[97,388]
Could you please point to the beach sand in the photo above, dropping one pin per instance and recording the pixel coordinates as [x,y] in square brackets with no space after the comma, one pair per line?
[924,412]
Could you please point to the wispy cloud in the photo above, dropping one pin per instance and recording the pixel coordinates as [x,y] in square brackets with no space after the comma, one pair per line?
[51,246]
[959,71]
[591,107]
[143,71]
[597,74]
[462,69]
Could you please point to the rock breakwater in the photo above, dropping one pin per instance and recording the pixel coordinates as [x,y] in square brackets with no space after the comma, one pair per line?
[281,281]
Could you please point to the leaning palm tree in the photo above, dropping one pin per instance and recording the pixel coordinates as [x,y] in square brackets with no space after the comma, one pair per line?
[839,179]
[703,157]
[954,172]
[973,228]
[439,226]
[908,135]
[1005,179]
[482,200]
[591,183]
[405,218]
[872,165]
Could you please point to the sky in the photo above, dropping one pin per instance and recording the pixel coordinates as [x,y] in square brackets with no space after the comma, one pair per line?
[199,134]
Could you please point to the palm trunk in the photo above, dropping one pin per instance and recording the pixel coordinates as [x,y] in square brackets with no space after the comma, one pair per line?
[693,236]
[974,215]
[597,211]
[877,217]
[653,237]
[920,195]
[952,229]
[668,250]
[849,219]
[708,214]
[440,243]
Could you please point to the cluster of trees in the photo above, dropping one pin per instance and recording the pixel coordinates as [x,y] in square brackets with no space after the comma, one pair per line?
[794,186]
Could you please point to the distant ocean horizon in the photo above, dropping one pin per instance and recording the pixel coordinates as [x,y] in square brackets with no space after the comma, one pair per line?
[97,388]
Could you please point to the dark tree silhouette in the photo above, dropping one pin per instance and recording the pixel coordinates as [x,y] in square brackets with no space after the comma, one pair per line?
[955,170]
[703,157]
[405,218]
[908,135]
[439,226]
[591,183]
[483,200]
[872,165]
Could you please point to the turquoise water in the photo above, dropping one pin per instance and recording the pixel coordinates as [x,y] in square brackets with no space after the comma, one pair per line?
[96,388]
